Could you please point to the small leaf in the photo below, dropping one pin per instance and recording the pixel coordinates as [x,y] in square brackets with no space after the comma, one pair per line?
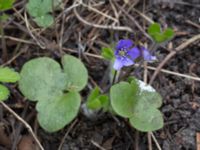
[107,53]
[8,75]
[40,9]
[53,115]
[122,98]
[105,104]
[44,21]
[4,17]
[95,104]
[92,100]
[76,73]
[96,101]
[168,33]
[42,79]
[6,4]
[155,32]
[154,29]
[4,93]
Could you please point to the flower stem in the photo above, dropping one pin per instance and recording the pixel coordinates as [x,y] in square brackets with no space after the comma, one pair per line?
[114,78]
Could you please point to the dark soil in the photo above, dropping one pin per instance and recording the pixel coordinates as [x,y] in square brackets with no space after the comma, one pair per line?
[181,96]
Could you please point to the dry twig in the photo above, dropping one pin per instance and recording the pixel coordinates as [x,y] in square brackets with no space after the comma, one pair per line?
[23,122]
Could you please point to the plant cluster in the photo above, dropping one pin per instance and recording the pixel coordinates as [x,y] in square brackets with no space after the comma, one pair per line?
[56,88]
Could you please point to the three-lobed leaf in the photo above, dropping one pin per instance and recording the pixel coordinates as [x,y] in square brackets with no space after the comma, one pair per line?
[8,75]
[56,90]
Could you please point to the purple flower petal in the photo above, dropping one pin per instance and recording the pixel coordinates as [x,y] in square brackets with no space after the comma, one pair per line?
[134,53]
[118,64]
[124,44]
[127,62]
[146,55]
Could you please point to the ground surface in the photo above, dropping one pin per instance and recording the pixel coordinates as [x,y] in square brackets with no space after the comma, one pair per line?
[181,96]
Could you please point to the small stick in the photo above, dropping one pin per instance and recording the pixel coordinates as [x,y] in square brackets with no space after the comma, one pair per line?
[111,27]
[66,134]
[23,122]
[97,145]
[157,144]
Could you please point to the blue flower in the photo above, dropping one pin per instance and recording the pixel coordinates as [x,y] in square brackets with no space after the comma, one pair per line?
[146,54]
[125,54]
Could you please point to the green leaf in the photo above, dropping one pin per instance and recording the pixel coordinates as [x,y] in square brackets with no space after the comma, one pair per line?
[138,102]
[42,79]
[8,75]
[4,93]
[92,101]
[146,117]
[96,101]
[54,115]
[40,9]
[168,33]
[76,73]
[37,8]
[107,53]
[154,29]
[155,32]
[44,21]
[105,104]
[147,120]
[6,4]
[122,98]
[4,17]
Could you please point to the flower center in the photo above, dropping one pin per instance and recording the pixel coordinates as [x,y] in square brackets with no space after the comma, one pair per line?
[123,52]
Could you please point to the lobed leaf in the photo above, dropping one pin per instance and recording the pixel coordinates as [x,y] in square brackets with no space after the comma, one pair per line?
[138,102]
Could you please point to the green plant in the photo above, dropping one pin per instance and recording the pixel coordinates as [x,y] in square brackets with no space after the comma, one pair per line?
[7,75]
[6,4]
[158,35]
[40,10]
[138,102]
[97,100]
[55,90]
[132,99]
